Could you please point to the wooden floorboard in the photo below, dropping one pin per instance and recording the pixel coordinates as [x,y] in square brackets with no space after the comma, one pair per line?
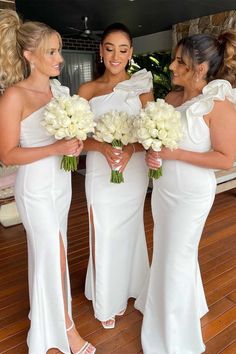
[217,258]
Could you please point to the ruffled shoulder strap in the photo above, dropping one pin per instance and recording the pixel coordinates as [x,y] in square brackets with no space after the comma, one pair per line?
[58,90]
[140,82]
[216,90]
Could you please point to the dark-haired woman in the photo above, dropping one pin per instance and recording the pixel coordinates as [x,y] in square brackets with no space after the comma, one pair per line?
[118,262]
[30,55]
[183,196]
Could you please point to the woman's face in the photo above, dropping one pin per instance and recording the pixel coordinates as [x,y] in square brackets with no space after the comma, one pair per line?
[116,51]
[182,74]
[47,60]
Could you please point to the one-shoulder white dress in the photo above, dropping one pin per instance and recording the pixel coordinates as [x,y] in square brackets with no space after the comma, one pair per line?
[118,263]
[181,201]
[43,196]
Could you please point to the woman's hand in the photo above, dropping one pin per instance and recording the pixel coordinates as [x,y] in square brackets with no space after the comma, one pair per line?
[111,154]
[67,147]
[153,159]
[167,154]
[117,157]
[126,154]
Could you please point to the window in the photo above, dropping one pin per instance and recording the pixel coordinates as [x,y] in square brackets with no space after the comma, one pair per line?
[78,68]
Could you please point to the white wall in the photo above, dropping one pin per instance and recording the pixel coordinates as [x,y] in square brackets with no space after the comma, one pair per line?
[153,42]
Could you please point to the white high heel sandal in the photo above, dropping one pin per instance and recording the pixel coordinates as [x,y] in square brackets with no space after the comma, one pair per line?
[87,348]
[107,325]
[112,320]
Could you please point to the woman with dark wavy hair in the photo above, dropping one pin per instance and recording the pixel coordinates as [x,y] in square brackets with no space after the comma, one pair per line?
[205,67]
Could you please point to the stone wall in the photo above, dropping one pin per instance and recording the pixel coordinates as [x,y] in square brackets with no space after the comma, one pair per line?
[7,4]
[207,24]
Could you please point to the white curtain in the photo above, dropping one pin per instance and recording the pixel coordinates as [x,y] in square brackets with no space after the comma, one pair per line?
[78,68]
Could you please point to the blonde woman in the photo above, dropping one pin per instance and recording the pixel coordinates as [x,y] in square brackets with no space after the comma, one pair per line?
[30,55]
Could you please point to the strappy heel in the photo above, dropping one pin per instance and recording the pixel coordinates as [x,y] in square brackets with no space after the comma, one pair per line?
[110,325]
[87,348]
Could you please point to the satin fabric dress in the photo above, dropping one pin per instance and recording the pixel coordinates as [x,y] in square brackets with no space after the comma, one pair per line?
[43,196]
[118,261]
[181,201]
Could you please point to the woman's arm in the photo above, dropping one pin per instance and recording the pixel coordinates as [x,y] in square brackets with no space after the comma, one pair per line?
[146,97]
[11,111]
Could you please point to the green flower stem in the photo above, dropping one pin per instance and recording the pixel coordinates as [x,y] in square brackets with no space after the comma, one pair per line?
[117,177]
[116,143]
[69,163]
[155,174]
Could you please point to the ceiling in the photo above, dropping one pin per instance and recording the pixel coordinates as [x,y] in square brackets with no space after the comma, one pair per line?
[141,16]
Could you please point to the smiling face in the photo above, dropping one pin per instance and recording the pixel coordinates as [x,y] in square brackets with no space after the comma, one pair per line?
[47,57]
[182,73]
[116,51]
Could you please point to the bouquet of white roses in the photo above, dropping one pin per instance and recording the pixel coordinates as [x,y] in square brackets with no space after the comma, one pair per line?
[115,128]
[68,117]
[158,125]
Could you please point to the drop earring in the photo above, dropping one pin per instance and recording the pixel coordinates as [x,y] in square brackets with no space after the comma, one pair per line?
[129,62]
[101,59]
[32,66]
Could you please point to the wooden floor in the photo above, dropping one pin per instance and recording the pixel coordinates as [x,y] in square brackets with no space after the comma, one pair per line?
[218,265]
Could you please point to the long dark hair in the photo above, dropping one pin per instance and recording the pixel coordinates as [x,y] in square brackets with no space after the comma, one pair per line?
[117,27]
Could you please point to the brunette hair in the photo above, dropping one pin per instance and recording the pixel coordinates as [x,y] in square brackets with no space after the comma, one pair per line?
[219,53]
[117,27]
[17,36]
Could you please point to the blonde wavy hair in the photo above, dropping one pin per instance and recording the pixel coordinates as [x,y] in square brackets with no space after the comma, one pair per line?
[17,36]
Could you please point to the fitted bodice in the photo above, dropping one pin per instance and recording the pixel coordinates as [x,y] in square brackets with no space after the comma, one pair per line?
[185,178]
[125,95]
[32,134]
[196,131]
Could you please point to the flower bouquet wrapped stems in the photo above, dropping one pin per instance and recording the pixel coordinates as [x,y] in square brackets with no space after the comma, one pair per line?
[69,162]
[116,175]
[155,174]
[115,128]
[158,125]
[68,117]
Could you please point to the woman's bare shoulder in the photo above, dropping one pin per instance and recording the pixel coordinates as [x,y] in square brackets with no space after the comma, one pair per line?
[13,95]
[87,89]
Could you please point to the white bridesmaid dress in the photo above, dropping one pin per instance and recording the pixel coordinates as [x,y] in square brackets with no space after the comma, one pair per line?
[181,201]
[43,196]
[118,263]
